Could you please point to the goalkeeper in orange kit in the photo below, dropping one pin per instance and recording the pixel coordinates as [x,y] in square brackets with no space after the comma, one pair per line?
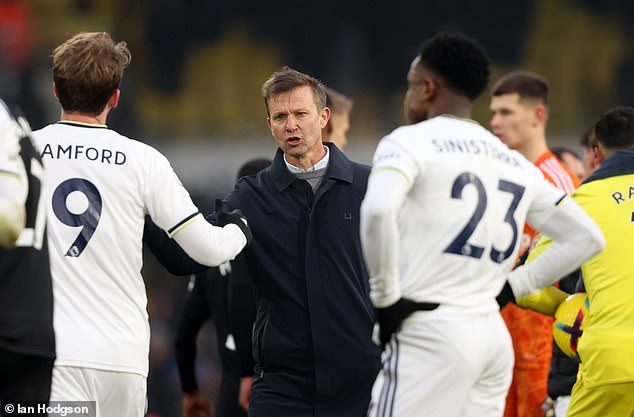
[519,104]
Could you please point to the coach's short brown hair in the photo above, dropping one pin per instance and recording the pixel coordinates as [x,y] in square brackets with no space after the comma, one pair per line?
[288,79]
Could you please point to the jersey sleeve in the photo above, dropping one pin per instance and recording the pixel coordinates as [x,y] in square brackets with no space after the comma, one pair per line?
[167,251]
[544,205]
[168,202]
[576,238]
[172,209]
[391,178]
[391,156]
[13,180]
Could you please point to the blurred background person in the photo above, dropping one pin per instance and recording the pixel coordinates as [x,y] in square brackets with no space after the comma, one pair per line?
[571,159]
[591,155]
[223,295]
[336,130]
[519,107]
[604,385]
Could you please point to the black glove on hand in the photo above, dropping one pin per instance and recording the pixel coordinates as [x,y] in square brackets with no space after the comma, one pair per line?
[505,296]
[234,217]
[390,318]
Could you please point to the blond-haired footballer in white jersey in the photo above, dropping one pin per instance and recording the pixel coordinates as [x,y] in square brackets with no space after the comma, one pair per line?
[441,220]
[100,187]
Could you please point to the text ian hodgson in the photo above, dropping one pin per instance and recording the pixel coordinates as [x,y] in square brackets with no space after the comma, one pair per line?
[58,409]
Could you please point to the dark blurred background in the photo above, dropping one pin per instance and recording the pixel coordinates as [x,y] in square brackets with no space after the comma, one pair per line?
[193,88]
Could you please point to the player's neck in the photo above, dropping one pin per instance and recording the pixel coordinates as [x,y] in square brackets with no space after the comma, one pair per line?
[99,119]
[534,148]
[451,104]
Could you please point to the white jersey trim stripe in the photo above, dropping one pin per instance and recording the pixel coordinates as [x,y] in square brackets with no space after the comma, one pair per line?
[385,407]
[9,173]
[401,173]
[82,124]
[182,224]
[561,200]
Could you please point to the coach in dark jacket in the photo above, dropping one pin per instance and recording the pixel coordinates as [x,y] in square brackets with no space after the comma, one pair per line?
[312,335]
[313,330]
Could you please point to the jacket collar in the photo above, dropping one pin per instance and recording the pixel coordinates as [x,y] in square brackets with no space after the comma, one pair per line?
[339,168]
[620,163]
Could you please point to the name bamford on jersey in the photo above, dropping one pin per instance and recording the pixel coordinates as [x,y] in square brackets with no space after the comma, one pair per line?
[104,156]
[473,146]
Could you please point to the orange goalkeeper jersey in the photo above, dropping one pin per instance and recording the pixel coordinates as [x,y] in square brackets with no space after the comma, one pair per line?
[532,332]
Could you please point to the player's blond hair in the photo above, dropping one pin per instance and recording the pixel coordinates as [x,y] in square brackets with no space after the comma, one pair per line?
[338,102]
[87,70]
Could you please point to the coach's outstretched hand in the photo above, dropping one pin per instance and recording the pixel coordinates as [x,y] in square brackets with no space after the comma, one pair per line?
[390,318]
[234,217]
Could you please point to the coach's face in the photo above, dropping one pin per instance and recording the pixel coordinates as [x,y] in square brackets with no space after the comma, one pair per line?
[296,124]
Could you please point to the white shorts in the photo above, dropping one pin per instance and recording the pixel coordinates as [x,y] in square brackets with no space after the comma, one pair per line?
[117,394]
[445,367]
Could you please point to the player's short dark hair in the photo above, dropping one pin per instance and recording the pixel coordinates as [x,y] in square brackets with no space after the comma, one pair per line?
[615,128]
[459,60]
[253,166]
[528,85]
[87,69]
[288,79]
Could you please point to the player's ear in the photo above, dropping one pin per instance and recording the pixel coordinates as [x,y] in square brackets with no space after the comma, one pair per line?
[55,90]
[324,116]
[599,154]
[114,99]
[430,89]
[541,113]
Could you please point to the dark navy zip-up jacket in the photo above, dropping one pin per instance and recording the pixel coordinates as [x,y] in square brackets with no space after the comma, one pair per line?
[312,338]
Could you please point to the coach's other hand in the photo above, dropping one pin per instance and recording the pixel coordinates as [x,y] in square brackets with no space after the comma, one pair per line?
[234,217]
[391,317]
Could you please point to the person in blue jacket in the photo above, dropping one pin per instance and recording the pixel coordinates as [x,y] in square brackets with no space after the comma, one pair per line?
[312,338]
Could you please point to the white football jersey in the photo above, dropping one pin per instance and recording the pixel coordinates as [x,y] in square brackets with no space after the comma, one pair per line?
[100,185]
[459,225]
[10,161]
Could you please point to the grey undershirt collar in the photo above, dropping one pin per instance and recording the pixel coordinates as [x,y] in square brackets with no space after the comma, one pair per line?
[314,174]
